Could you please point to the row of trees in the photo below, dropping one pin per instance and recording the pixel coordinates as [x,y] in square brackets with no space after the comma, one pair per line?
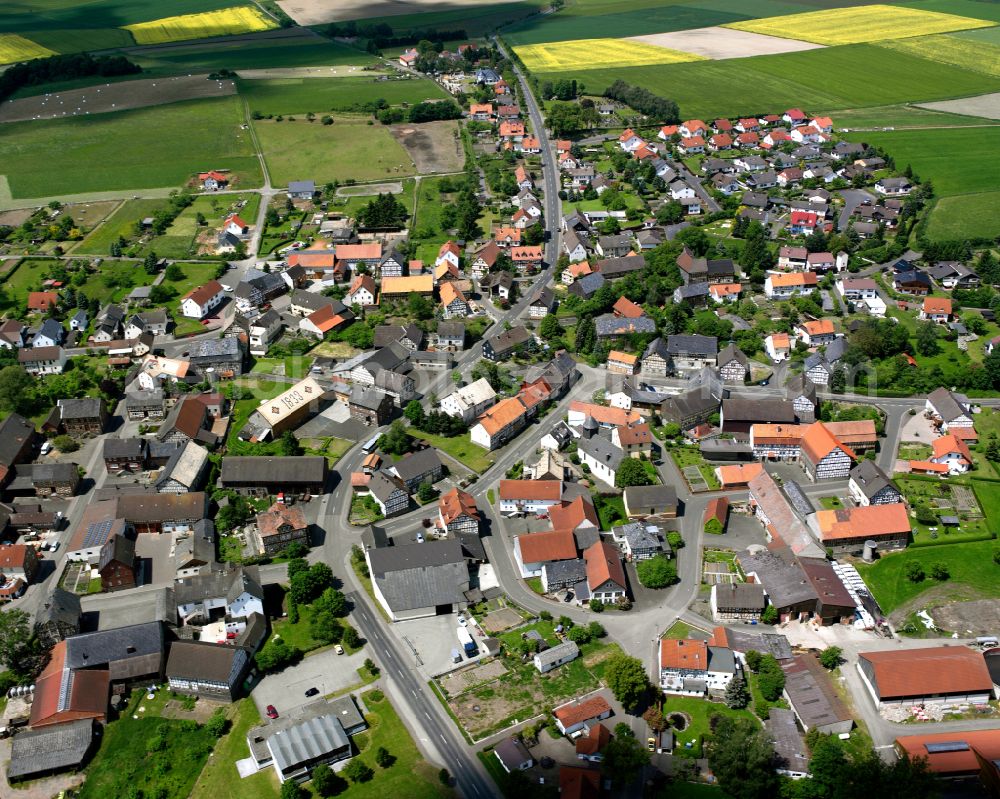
[420,112]
[63,67]
[660,109]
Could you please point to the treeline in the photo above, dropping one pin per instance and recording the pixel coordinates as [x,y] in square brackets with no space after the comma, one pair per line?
[421,112]
[644,101]
[63,67]
[382,34]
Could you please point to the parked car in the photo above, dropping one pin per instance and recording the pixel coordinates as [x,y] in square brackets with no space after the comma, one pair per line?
[339,649]
[312,691]
[46,448]
[651,744]
[271,712]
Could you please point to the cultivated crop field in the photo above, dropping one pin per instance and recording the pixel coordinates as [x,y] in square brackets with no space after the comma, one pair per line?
[859,24]
[722,43]
[16,48]
[320,95]
[597,53]
[224,22]
[974,55]
[965,216]
[347,149]
[132,150]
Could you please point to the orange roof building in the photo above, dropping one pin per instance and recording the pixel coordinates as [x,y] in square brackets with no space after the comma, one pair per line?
[457,512]
[42,300]
[605,573]
[859,435]
[717,510]
[500,423]
[534,549]
[574,715]
[575,515]
[602,414]
[370,253]
[937,308]
[947,675]
[824,457]
[622,362]
[847,529]
[62,694]
[313,261]
[404,286]
[817,327]
[683,655]
[624,307]
[956,754]
[737,475]
[544,492]
[953,451]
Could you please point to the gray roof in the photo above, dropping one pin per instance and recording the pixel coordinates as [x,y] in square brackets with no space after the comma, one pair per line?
[512,753]
[383,486]
[731,352]
[692,291]
[811,694]
[789,745]
[870,478]
[87,408]
[758,409]
[741,640]
[229,584]
[417,463]
[748,596]
[544,297]
[309,300]
[783,579]
[307,740]
[52,472]
[298,186]
[52,329]
[721,659]
[197,548]
[799,385]
[451,329]
[589,284]
[143,398]
[185,466]
[90,650]
[61,607]
[509,339]
[367,398]
[700,346]
[387,334]
[639,536]
[611,325]
[651,496]
[602,450]
[13,431]
[945,403]
[266,470]
[215,348]
[565,571]
[558,652]
[616,267]
[52,748]
[420,575]
[117,548]
[201,660]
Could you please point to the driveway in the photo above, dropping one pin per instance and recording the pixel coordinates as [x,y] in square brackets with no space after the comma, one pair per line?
[325,670]
[852,199]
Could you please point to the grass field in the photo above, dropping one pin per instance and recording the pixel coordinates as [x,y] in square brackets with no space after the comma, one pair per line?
[223,22]
[120,223]
[968,8]
[859,24]
[179,240]
[901,116]
[27,15]
[964,216]
[461,449]
[971,566]
[348,149]
[320,95]
[820,80]
[74,41]
[218,780]
[116,151]
[115,280]
[598,54]
[16,48]
[26,277]
[194,275]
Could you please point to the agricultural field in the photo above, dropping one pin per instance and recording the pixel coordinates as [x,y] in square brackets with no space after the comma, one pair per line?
[967,8]
[321,95]
[965,216]
[120,223]
[350,149]
[16,48]
[223,22]
[859,24]
[902,116]
[819,80]
[597,53]
[719,43]
[28,15]
[974,55]
[114,151]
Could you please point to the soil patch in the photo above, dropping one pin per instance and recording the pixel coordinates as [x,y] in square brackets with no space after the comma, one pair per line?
[499,620]
[458,682]
[316,12]
[17,217]
[985,105]
[369,189]
[433,146]
[721,43]
[979,617]
[114,97]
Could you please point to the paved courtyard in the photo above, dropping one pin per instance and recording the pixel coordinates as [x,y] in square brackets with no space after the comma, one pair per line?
[325,670]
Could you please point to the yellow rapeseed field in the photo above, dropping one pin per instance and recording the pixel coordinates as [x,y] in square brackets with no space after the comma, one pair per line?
[954,50]
[597,54]
[224,22]
[17,48]
[859,24]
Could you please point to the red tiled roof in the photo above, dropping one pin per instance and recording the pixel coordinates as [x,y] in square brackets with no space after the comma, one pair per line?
[937,305]
[625,307]
[604,564]
[984,743]
[950,443]
[42,300]
[579,783]
[941,670]
[683,654]
[738,473]
[571,515]
[12,556]
[717,509]
[204,293]
[456,503]
[818,442]
[870,520]
[531,489]
[86,696]
[577,712]
[594,741]
[547,546]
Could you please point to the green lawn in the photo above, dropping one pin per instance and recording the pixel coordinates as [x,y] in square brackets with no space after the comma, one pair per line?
[691,456]
[26,277]
[323,95]
[114,281]
[29,15]
[687,742]
[194,275]
[347,150]
[965,215]
[460,448]
[120,223]
[126,760]
[930,492]
[679,630]
[114,151]
[179,239]
[298,636]
[219,780]
[611,511]
[971,566]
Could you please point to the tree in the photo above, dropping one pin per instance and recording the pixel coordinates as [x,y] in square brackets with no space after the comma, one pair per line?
[742,759]
[737,695]
[927,338]
[351,637]
[626,677]
[550,329]
[631,473]
[385,211]
[444,777]
[624,755]
[326,781]
[915,572]
[414,411]
[304,586]
[65,443]
[383,758]
[831,657]
[275,655]
[324,627]
[18,645]
[770,678]
[939,571]
[654,718]
[419,306]
[371,667]
[358,771]
[288,445]
[656,572]
[217,724]
[597,606]
[173,273]
[586,336]
[397,441]
[15,389]
[290,789]
[770,615]
[753,658]
[426,492]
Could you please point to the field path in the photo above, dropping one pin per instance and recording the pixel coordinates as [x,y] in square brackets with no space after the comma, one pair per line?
[9,204]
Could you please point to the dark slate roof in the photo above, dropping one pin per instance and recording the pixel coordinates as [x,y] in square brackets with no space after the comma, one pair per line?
[417,463]
[451,329]
[62,607]
[51,748]
[611,325]
[420,575]
[658,346]
[120,549]
[570,571]
[124,447]
[602,450]
[294,469]
[870,478]
[611,268]
[784,579]
[732,352]
[13,431]
[692,290]
[588,285]
[87,408]
[123,643]
[758,409]
[700,346]
[508,339]
[201,660]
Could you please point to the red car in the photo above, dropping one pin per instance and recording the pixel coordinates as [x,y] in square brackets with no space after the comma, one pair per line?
[271,712]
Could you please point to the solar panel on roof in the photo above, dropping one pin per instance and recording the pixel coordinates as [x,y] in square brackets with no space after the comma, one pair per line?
[947,746]
[97,533]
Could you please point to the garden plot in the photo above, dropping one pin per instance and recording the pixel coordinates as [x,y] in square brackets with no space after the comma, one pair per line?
[719,42]
[114,97]
[985,105]
[458,682]
[433,146]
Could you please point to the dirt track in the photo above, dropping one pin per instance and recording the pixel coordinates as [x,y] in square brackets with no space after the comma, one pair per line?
[114,97]
[721,43]
[433,146]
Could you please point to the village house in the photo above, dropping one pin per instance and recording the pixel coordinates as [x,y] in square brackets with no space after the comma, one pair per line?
[201,301]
